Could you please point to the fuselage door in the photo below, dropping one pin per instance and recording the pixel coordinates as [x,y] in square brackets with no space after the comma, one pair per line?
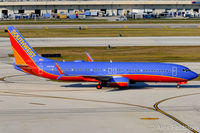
[109,70]
[174,71]
[112,71]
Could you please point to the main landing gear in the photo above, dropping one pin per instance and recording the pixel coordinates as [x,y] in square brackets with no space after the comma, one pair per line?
[181,83]
[99,86]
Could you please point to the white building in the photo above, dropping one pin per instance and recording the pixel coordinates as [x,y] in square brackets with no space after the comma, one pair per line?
[109,7]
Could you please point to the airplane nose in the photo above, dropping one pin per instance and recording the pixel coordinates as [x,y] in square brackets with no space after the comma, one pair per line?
[194,75]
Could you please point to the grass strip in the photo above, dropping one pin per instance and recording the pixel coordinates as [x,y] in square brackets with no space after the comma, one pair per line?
[101,21]
[129,53]
[108,32]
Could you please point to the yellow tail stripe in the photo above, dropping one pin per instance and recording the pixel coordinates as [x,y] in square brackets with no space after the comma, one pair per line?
[18,58]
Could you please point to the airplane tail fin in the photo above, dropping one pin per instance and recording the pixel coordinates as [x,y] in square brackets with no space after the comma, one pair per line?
[23,52]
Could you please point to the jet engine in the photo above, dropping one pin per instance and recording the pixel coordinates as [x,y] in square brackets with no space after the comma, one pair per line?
[118,81]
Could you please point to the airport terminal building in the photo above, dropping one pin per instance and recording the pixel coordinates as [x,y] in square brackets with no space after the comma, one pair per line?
[105,7]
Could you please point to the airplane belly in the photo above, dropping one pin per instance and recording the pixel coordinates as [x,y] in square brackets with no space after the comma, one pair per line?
[153,78]
[72,78]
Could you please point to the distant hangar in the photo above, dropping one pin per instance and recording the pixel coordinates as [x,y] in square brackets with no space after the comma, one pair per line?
[102,7]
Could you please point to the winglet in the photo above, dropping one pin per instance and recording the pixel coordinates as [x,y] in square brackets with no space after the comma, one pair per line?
[89,57]
[59,69]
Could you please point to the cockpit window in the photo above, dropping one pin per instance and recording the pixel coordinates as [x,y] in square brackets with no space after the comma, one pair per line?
[186,70]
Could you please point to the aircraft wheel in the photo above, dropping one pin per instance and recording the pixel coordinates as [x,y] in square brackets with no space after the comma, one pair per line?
[178,86]
[99,86]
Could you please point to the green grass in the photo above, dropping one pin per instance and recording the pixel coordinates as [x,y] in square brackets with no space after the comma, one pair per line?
[101,21]
[101,32]
[129,54]
[52,21]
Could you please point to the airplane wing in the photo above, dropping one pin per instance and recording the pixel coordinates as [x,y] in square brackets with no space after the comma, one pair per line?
[98,77]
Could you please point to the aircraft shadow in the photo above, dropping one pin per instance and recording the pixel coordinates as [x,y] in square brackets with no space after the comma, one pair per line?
[141,85]
[138,85]
[79,85]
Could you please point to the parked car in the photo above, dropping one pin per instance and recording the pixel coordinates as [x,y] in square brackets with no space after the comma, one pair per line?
[122,18]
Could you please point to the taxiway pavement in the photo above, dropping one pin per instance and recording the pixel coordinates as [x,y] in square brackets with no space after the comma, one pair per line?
[113,41]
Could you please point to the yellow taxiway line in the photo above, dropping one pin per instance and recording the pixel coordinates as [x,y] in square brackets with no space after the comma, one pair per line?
[172,117]
[156,108]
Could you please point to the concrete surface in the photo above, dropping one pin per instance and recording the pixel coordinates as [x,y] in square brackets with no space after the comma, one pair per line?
[113,41]
[32,104]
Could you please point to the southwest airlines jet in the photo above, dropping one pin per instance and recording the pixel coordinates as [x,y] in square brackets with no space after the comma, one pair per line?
[111,74]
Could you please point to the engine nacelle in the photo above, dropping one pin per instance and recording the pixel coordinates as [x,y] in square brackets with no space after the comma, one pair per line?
[119,82]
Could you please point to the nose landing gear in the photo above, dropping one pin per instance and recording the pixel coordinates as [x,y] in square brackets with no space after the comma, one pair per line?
[178,86]
[181,83]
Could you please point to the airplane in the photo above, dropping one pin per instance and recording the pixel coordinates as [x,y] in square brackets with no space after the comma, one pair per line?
[110,74]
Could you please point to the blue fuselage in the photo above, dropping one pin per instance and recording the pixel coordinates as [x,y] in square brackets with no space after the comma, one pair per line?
[120,69]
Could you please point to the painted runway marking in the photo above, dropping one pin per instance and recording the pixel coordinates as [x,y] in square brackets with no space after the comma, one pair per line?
[37,103]
[78,99]
[149,118]
[172,117]
[10,76]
